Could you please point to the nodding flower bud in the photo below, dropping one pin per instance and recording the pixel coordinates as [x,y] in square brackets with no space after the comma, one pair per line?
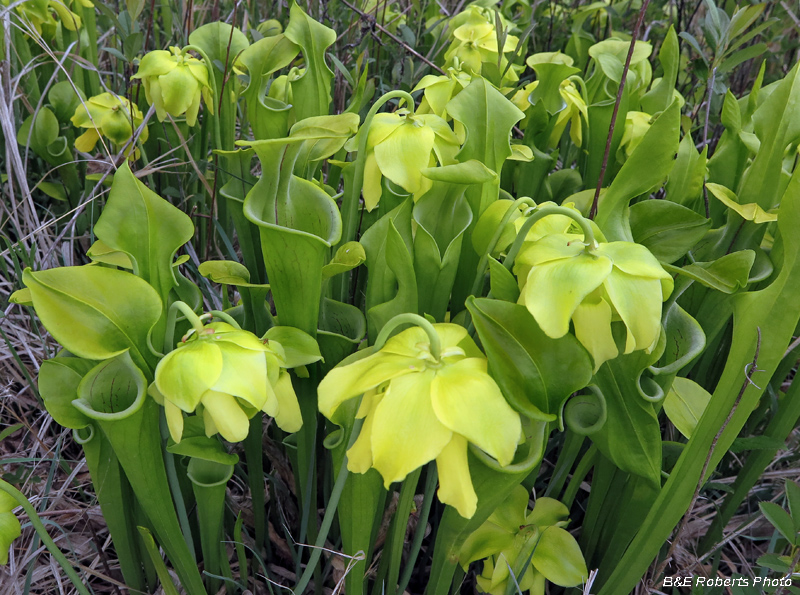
[174,82]
[229,375]
[108,115]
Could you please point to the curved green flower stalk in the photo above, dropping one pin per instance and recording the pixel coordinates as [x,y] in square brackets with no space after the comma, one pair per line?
[174,82]
[426,396]
[562,279]
[232,374]
[111,116]
[532,544]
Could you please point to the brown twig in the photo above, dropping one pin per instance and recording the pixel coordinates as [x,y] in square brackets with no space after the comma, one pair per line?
[749,370]
[593,210]
[394,38]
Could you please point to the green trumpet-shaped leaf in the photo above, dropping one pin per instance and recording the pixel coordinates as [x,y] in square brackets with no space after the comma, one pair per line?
[347,257]
[536,373]
[312,91]
[667,229]
[112,390]
[646,169]
[146,227]
[299,348]
[341,329]
[488,118]
[220,41]
[727,274]
[685,403]
[59,378]
[661,95]
[95,313]
[298,222]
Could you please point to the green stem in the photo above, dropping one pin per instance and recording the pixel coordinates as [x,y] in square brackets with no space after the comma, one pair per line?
[409,318]
[226,317]
[541,213]
[327,521]
[430,486]
[44,536]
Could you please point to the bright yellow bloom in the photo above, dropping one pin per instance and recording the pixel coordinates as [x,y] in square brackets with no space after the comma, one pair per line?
[37,12]
[560,280]
[636,126]
[173,83]
[110,115]
[9,525]
[399,146]
[232,374]
[575,111]
[475,42]
[417,409]
[512,535]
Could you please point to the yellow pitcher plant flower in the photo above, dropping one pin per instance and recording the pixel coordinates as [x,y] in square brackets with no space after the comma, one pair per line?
[37,12]
[425,400]
[533,543]
[108,115]
[399,146]
[636,126]
[231,375]
[9,525]
[475,42]
[174,82]
[575,111]
[563,279]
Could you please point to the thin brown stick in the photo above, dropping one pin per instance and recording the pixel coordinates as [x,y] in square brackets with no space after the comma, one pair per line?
[394,38]
[642,11]
[749,370]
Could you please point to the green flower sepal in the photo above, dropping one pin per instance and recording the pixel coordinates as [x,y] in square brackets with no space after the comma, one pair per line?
[533,544]
[423,403]
[227,375]
[174,82]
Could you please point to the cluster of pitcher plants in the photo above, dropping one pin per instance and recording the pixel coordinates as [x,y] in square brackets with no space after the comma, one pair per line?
[523,274]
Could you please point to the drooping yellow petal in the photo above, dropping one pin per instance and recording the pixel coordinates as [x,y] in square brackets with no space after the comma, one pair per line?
[359,456]
[638,303]
[229,419]
[174,420]
[155,63]
[87,141]
[406,433]
[592,320]
[555,289]
[187,372]
[349,381]
[288,417]
[455,483]
[372,188]
[468,402]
